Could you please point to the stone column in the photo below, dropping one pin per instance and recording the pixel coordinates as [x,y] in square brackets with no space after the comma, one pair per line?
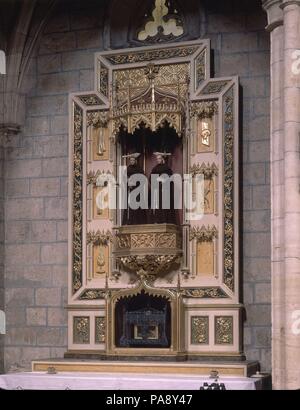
[291,300]
[284,23]
[275,27]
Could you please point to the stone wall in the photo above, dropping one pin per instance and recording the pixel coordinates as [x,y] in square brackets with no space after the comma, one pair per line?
[241,47]
[37,166]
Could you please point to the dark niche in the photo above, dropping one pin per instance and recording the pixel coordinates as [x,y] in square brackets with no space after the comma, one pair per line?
[143,321]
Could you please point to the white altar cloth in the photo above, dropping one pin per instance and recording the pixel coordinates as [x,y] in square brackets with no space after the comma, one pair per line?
[118,381]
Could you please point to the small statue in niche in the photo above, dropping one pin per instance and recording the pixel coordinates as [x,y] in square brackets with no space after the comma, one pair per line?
[161,189]
[101,262]
[133,216]
[101,142]
[206,134]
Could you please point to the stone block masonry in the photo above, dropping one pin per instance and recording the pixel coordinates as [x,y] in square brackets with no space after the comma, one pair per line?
[241,47]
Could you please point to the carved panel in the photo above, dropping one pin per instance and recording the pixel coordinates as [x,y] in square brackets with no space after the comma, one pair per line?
[81,330]
[98,249]
[97,119]
[200,65]
[100,330]
[167,240]
[205,250]
[205,135]
[204,113]
[77,198]
[93,294]
[100,261]
[205,293]
[214,87]
[90,100]
[228,189]
[199,330]
[103,75]
[223,330]
[143,240]
[205,258]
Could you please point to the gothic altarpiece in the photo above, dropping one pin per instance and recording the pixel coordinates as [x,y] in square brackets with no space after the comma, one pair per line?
[155,289]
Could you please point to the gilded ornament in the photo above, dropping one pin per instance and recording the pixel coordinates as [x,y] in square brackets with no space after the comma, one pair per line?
[98,178]
[77,198]
[209,171]
[228,108]
[203,234]
[200,68]
[92,294]
[97,119]
[199,330]
[204,109]
[204,293]
[149,55]
[152,264]
[99,238]
[99,330]
[224,330]
[214,87]
[91,99]
[81,330]
[103,79]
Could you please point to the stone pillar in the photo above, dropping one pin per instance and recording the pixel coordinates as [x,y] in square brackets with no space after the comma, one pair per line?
[291,300]
[284,23]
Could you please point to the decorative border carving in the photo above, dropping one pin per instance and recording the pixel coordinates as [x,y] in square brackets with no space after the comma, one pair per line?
[208,170]
[204,109]
[203,234]
[77,198]
[205,293]
[103,79]
[228,108]
[99,238]
[92,177]
[93,294]
[215,87]
[199,293]
[200,65]
[98,119]
[149,55]
[91,99]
